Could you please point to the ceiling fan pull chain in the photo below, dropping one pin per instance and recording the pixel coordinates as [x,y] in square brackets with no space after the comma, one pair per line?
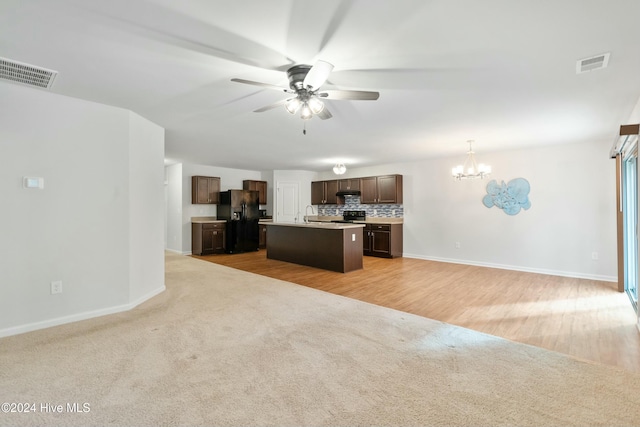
[304,128]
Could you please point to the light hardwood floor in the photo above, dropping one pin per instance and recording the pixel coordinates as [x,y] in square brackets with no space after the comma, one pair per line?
[584,318]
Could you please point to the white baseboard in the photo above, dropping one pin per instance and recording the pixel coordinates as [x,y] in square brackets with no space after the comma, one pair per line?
[30,327]
[173,251]
[517,268]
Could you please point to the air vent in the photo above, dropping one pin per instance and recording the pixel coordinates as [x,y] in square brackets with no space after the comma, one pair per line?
[26,74]
[593,63]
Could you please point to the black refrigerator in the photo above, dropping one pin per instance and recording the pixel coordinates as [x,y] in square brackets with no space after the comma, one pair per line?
[240,209]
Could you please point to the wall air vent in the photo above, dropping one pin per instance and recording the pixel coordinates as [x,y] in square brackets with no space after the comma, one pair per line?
[592,63]
[26,74]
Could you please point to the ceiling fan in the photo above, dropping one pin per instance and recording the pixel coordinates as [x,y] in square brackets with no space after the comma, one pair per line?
[305,82]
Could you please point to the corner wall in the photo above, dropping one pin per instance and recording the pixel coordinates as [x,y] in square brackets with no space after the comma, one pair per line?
[82,228]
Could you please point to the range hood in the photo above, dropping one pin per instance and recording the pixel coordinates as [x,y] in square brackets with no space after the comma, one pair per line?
[348,193]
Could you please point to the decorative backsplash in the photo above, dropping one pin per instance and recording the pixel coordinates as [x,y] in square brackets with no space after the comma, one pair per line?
[353,203]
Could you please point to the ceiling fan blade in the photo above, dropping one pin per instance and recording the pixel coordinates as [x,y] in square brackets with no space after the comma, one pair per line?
[359,95]
[271,106]
[324,114]
[267,85]
[317,75]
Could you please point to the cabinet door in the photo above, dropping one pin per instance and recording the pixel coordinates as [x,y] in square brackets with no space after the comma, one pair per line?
[207,241]
[317,193]
[380,241]
[213,239]
[348,184]
[387,189]
[261,186]
[200,189]
[366,240]
[331,188]
[213,186]
[368,190]
[219,243]
[262,241]
[205,190]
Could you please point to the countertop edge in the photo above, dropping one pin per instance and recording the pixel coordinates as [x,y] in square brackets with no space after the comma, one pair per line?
[320,225]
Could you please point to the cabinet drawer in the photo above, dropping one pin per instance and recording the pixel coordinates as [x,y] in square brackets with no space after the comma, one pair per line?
[217,225]
[380,227]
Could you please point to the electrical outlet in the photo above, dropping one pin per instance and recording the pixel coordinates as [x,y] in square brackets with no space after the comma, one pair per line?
[457,245]
[353,237]
[56,287]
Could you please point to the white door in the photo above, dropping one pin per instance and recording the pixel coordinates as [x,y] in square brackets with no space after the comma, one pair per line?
[287,194]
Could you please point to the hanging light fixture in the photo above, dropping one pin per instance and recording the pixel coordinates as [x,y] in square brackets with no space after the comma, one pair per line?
[470,169]
[339,169]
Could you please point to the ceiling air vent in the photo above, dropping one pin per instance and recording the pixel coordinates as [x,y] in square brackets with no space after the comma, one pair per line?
[593,63]
[26,74]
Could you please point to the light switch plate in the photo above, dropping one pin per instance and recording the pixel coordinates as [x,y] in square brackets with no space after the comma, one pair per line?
[56,287]
[33,182]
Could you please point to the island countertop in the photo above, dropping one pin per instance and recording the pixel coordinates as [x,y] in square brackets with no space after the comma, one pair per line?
[368,220]
[323,225]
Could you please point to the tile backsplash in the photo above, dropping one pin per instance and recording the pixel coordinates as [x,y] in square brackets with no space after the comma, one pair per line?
[353,203]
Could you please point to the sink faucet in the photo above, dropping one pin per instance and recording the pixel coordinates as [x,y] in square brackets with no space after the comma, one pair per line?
[306,213]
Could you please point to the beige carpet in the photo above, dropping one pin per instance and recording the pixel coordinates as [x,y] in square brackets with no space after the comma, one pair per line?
[225,347]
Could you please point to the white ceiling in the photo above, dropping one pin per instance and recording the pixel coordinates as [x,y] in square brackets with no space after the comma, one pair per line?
[501,72]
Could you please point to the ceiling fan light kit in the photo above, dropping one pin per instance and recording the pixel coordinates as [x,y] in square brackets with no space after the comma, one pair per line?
[305,82]
[471,169]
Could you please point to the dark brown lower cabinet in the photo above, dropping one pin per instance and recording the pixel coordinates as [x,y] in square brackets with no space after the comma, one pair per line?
[208,238]
[382,240]
[262,240]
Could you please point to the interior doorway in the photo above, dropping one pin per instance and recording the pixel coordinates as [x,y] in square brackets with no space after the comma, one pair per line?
[287,206]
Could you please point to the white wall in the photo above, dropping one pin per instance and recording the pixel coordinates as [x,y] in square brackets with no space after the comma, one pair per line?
[572,213]
[146,194]
[76,229]
[173,197]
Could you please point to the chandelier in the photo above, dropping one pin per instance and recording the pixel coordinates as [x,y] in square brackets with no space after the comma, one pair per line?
[339,169]
[470,169]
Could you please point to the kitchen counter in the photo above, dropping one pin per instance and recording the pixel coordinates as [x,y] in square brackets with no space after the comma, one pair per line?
[320,224]
[369,220]
[206,220]
[327,245]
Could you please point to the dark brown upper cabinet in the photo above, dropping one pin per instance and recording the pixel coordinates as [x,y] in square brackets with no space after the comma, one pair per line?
[352,184]
[324,192]
[259,186]
[381,189]
[205,190]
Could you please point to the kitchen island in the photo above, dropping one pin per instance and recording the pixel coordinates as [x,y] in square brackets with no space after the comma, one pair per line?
[327,245]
